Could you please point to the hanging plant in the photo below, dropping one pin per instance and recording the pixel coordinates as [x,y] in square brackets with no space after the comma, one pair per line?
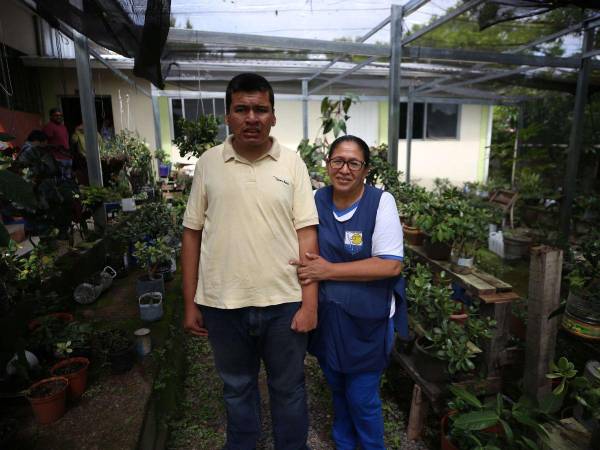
[195,137]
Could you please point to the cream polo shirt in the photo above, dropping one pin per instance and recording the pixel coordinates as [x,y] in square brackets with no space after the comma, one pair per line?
[249,213]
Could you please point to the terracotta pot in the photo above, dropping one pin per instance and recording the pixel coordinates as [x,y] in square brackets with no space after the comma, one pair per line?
[461,318]
[49,408]
[446,443]
[64,316]
[77,379]
[413,235]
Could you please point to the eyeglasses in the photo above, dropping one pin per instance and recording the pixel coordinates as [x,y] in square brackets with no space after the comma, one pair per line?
[353,164]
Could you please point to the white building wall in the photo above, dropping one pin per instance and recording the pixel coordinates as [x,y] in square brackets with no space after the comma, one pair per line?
[455,159]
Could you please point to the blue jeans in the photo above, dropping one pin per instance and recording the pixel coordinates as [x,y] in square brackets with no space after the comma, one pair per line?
[358,417]
[240,338]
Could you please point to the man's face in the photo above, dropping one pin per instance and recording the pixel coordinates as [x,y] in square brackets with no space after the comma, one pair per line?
[57,117]
[250,119]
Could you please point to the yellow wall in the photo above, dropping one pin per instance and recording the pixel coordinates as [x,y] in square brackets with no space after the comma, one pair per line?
[139,116]
[455,159]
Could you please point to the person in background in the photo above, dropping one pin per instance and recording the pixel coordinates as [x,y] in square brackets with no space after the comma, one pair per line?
[107,131]
[58,139]
[249,212]
[36,138]
[361,254]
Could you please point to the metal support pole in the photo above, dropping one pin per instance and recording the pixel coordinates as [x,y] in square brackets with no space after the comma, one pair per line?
[410,107]
[304,109]
[88,113]
[394,91]
[519,127]
[576,138]
[157,135]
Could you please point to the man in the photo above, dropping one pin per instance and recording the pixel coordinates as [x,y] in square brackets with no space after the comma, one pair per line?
[58,138]
[249,213]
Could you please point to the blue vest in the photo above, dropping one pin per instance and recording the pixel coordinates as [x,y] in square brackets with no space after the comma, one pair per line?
[353,334]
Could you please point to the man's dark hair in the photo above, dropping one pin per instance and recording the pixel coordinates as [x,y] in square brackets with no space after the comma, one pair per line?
[37,135]
[54,110]
[364,147]
[248,82]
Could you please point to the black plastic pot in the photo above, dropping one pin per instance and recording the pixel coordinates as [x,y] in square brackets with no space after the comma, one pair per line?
[436,250]
[122,361]
[146,284]
[429,367]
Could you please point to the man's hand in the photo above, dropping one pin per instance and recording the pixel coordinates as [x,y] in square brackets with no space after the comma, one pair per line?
[193,322]
[314,268]
[304,320]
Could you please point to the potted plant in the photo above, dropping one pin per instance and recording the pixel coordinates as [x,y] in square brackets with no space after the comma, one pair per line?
[150,256]
[583,301]
[412,203]
[517,242]
[48,399]
[195,137]
[470,228]
[449,342]
[75,370]
[118,346]
[433,219]
[164,165]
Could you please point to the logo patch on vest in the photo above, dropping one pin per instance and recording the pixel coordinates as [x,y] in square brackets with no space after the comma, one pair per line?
[353,241]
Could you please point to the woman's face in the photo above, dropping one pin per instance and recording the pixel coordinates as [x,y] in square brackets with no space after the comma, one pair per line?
[344,179]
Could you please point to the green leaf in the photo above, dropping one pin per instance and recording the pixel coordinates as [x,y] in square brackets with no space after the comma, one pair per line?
[346,104]
[476,420]
[15,189]
[551,402]
[324,104]
[466,396]
[507,431]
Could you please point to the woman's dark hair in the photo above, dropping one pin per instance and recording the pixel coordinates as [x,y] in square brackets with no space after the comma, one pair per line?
[248,82]
[358,141]
[37,135]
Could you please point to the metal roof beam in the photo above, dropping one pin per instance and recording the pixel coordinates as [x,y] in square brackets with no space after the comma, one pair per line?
[382,24]
[444,54]
[489,77]
[343,75]
[187,39]
[541,40]
[442,20]
[410,7]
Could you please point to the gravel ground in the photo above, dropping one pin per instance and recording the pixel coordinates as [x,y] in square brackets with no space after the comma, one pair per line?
[202,423]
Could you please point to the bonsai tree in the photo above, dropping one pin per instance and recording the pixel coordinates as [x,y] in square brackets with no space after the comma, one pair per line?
[151,255]
[195,137]
[470,228]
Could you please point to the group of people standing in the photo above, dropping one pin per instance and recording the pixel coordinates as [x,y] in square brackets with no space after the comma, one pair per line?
[271,270]
[68,153]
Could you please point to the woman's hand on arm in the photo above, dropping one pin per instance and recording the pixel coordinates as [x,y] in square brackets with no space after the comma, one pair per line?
[316,268]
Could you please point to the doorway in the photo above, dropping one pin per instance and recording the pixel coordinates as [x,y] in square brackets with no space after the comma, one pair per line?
[72,112]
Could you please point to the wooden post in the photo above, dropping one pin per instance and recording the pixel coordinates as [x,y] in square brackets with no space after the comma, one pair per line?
[418,412]
[544,297]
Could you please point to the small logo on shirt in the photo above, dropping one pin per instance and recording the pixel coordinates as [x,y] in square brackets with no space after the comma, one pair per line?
[353,241]
[286,182]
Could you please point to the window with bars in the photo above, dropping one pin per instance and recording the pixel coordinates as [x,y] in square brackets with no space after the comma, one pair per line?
[194,108]
[431,120]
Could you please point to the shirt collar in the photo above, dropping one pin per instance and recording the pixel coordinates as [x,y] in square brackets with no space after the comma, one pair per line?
[230,153]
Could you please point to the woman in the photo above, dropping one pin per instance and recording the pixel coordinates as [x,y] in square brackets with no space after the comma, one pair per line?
[360,241]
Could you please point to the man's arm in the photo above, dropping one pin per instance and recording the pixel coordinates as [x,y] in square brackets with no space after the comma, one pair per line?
[306,317]
[315,268]
[190,258]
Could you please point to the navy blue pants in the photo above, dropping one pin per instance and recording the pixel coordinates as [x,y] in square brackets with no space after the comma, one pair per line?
[358,418]
[240,338]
